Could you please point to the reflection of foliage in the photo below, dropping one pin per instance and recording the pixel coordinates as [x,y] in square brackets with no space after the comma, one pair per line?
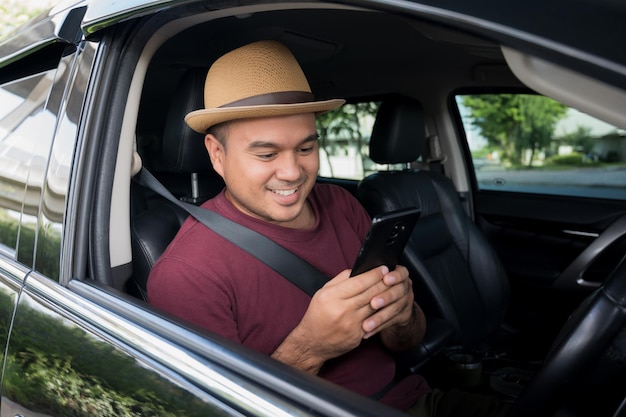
[61,390]
[515,123]
[61,370]
[344,123]
[13,13]
[8,230]
[48,244]
[48,256]
[26,244]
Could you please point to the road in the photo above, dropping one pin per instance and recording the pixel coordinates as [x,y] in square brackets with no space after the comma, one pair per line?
[591,182]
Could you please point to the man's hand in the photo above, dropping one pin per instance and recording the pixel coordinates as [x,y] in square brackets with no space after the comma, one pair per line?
[347,310]
[334,322]
[398,319]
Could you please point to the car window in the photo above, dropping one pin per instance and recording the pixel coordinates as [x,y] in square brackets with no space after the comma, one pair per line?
[344,141]
[23,126]
[533,144]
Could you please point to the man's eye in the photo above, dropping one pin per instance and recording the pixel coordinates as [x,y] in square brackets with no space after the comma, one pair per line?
[266,156]
[306,150]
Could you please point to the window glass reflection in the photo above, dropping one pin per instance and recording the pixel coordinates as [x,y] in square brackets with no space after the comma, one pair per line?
[23,125]
[48,251]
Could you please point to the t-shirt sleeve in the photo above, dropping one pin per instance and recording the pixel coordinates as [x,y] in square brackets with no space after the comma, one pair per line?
[186,292]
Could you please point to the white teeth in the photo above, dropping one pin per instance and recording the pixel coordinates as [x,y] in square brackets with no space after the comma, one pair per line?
[285,192]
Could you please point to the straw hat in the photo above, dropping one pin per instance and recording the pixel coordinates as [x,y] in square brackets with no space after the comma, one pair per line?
[257,80]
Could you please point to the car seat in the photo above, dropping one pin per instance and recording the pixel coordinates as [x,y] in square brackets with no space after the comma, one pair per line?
[456,274]
[185,167]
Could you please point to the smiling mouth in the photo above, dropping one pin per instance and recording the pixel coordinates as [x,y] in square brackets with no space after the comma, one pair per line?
[285,193]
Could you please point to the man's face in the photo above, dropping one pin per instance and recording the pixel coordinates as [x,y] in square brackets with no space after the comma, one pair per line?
[269,166]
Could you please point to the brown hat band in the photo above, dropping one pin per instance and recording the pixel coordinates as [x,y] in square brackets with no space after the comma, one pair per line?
[281,97]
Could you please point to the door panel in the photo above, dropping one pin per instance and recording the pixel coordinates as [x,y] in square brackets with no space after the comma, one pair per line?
[539,238]
[67,357]
[528,228]
[12,276]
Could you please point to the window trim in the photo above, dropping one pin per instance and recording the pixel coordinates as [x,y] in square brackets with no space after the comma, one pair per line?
[20,56]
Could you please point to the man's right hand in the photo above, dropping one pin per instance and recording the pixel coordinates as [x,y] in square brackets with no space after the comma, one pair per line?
[332,324]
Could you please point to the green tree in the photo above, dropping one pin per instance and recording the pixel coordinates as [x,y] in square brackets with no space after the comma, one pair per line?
[581,139]
[515,123]
[344,122]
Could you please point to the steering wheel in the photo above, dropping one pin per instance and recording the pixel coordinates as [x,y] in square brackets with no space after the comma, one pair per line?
[584,338]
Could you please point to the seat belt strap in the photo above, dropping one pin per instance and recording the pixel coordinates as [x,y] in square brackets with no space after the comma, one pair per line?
[295,269]
[435,158]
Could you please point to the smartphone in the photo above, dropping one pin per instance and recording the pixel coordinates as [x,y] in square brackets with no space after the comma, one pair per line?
[385,240]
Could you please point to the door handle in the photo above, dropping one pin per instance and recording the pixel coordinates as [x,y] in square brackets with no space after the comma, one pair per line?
[572,277]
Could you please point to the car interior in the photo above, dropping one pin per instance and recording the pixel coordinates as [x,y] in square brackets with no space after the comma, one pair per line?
[411,66]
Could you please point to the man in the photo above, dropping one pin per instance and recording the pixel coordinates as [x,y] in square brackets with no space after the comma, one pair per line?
[259,120]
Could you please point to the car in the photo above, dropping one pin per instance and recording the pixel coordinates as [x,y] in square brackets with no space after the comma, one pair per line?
[520,105]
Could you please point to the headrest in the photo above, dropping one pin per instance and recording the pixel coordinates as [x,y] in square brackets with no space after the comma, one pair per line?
[183,149]
[399,132]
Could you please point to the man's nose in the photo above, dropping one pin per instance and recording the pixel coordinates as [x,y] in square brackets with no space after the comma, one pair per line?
[289,167]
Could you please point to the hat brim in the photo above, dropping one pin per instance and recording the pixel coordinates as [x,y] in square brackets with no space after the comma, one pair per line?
[201,120]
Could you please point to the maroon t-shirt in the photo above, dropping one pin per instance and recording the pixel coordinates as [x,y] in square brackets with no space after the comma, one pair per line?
[205,279]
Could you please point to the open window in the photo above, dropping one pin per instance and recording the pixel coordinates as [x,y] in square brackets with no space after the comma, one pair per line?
[529,143]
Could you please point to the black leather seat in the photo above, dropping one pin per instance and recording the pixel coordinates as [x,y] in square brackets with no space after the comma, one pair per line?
[456,274]
[185,169]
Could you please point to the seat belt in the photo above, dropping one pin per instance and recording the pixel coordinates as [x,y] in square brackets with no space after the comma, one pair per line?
[435,158]
[295,269]
[292,267]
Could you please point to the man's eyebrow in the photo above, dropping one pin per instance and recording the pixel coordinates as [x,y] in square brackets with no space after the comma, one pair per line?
[264,144]
[261,144]
[311,138]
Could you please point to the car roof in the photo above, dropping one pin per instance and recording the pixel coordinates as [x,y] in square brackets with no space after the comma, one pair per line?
[584,35]
[586,27]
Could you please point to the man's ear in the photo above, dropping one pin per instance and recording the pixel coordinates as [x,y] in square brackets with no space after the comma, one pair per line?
[216,153]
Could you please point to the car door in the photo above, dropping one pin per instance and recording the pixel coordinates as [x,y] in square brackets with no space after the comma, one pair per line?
[70,355]
[55,364]
[551,198]
[30,90]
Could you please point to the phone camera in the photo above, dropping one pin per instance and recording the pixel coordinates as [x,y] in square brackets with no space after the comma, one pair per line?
[396,230]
